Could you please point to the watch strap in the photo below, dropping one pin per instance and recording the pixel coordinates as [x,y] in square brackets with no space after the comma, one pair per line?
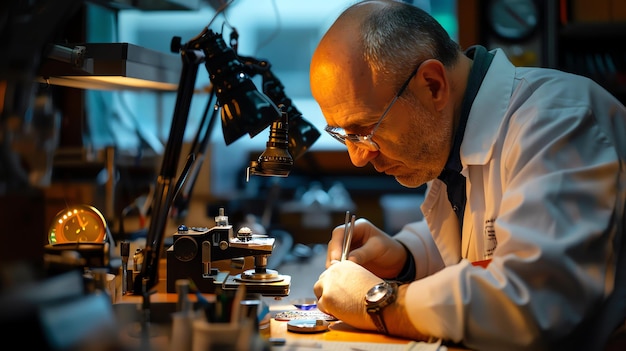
[377,318]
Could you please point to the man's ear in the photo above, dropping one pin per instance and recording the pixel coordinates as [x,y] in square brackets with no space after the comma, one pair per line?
[433,75]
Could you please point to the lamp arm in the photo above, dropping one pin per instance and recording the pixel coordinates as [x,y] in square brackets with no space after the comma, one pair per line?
[164,190]
[198,149]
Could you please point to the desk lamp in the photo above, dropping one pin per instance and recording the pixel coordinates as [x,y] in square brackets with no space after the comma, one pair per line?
[294,131]
[301,134]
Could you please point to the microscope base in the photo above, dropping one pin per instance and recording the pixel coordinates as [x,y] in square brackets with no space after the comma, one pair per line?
[275,288]
[207,283]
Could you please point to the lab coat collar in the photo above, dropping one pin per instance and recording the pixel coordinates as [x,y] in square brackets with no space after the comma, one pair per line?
[487,111]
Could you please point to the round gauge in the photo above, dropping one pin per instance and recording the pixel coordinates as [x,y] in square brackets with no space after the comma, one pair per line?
[78,223]
[514,20]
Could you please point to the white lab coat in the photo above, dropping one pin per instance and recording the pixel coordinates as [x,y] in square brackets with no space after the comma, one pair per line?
[543,154]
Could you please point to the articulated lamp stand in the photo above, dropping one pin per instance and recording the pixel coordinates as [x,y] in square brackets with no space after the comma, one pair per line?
[201,247]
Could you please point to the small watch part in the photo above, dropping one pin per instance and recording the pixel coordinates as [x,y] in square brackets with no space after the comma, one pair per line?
[307,325]
[244,234]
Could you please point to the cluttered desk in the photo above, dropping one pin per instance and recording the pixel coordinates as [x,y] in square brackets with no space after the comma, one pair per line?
[284,304]
[288,313]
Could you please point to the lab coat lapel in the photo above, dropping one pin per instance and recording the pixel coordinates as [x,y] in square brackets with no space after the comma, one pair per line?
[483,123]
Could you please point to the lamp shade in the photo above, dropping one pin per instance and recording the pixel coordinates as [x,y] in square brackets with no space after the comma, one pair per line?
[245,110]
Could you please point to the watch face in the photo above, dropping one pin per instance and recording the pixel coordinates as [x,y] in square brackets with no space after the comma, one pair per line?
[376,293]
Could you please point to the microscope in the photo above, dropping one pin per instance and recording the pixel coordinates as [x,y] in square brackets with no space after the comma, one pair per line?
[195,248]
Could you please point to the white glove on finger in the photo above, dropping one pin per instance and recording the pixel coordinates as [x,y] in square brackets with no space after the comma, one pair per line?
[341,290]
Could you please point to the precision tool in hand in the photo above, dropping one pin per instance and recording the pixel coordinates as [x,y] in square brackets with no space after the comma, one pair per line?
[347,237]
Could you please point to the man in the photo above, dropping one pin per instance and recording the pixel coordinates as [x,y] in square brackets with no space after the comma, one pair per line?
[531,159]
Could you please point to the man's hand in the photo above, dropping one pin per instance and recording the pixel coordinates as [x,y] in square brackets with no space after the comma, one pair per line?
[371,248]
[340,292]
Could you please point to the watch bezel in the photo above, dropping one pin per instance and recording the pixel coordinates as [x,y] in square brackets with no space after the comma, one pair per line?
[377,293]
[380,293]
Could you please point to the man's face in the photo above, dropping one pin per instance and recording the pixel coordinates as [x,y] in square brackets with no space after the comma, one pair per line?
[415,136]
[414,143]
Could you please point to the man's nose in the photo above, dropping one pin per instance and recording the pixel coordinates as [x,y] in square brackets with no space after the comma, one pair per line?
[360,157]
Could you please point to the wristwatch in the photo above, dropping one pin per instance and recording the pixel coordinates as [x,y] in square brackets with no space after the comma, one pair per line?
[378,297]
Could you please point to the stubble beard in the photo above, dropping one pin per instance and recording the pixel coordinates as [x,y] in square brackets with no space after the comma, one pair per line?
[426,146]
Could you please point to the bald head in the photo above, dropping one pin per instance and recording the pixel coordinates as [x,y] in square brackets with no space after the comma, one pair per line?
[376,43]
[369,52]
[339,63]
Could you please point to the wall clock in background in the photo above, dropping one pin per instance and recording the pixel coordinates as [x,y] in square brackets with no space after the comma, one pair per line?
[513,20]
[515,26]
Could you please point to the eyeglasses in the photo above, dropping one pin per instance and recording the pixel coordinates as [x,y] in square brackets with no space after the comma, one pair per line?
[365,141]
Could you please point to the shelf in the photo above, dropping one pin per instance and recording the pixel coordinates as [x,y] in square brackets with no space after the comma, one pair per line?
[594,31]
[594,50]
[112,66]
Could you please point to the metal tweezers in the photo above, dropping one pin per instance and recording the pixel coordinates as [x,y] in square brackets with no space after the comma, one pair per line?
[348,229]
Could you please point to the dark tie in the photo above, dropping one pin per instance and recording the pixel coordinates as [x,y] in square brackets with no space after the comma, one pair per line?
[455,183]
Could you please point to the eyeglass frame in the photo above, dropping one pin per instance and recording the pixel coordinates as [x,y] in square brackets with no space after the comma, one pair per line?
[366,140]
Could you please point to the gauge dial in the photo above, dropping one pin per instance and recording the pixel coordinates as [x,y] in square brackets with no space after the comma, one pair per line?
[78,223]
[513,19]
